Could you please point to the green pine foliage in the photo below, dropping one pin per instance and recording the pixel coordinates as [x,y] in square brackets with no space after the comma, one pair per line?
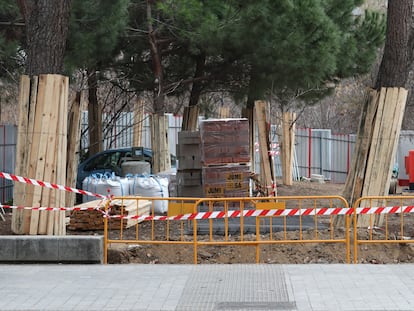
[246,46]
[10,35]
[252,45]
[366,37]
[95,29]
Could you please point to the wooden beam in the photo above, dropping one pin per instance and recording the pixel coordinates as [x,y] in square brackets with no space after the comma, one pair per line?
[354,182]
[224,112]
[60,224]
[44,156]
[249,114]
[19,189]
[161,160]
[138,122]
[265,174]
[287,146]
[46,149]
[190,118]
[73,139]
[34,87]
[376,153]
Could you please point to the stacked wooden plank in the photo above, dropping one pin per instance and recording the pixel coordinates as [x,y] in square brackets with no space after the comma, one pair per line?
[93,219]
[189,164]
[225,157]
[41,153]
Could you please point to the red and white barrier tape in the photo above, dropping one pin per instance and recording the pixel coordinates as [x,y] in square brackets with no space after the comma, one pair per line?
[48,185]
[270,213]
[40,183]
[51,209]
[200,215]
[384,210]
[237,213]
[244,213]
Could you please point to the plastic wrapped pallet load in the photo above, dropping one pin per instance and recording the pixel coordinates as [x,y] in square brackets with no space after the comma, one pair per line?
[152,186]
[224,141]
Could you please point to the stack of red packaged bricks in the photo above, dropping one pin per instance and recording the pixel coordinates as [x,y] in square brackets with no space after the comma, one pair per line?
[225,157]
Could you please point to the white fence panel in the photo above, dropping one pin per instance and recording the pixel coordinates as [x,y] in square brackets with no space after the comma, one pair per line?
[317,151]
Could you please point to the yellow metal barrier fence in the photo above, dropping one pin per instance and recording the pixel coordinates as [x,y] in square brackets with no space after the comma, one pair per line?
[382,220]
[216,222]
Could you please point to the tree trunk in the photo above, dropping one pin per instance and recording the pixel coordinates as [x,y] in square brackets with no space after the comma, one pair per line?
[157,134]
[138,122]
[287,146]
[94,115]
[156,62]
[394,68]
[190,121]
[382,114]
[43,99]
[159,144]
[46,32]
[41,153]
[249,114]
[197,84]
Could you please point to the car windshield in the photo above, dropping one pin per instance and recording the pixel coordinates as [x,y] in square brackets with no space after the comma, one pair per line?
[104,161]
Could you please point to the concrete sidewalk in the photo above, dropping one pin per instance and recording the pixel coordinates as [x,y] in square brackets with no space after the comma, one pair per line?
[207,287]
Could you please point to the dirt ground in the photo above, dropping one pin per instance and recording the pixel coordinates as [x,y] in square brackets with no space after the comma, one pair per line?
[292,253]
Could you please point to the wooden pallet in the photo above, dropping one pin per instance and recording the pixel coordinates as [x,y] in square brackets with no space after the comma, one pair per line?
[93,219]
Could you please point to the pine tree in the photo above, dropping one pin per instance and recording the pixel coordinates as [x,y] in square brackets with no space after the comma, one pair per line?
[95,29]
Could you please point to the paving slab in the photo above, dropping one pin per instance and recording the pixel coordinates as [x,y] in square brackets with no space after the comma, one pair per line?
[313,287]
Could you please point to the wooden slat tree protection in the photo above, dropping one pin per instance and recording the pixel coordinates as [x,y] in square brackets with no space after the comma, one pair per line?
[161,160]
[224,112]
[190,118]
[248,113]
[373,159]
[266,173]
[138,122]
[73,147]
[41,152]
[19,225]
[287,144]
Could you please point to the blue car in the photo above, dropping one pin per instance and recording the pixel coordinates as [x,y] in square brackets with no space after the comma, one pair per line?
[109,161]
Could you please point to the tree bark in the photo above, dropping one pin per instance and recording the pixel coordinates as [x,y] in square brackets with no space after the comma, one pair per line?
[394,68]
[94,115]
[190,121]
[197,84]
[376,143]
[157,63]
[158,154]
[46,32]
[43,100]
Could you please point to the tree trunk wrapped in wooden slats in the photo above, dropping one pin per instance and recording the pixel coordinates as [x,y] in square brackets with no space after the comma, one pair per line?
[41,153]
[374,156]
[287,146]
[161,160]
